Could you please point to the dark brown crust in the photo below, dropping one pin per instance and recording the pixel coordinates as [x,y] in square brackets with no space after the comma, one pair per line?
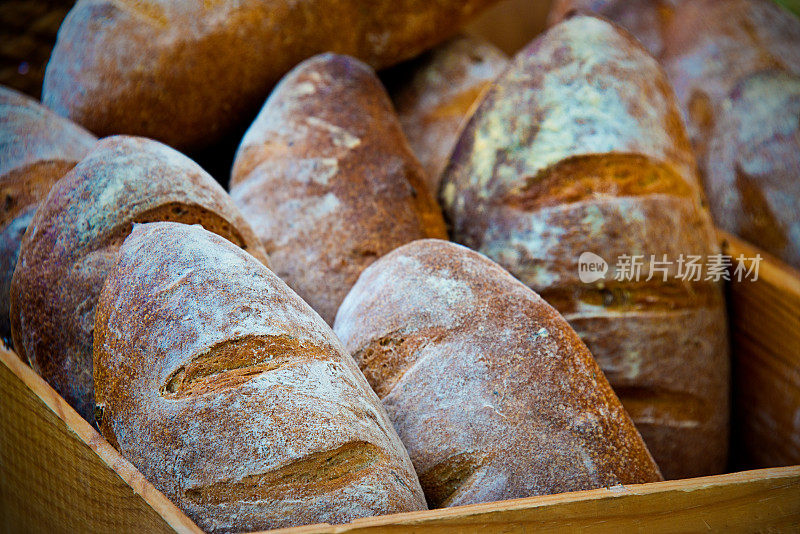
[601,164]
[327,180]
[269,422]
[434,93]
[37,147]
[492,392]
[74,236]
[186,73]
[735,65]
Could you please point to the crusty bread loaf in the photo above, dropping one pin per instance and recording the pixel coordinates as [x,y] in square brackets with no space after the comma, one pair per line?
[187,72]
[645,19]
[37,147]
[600,163]
[735,66]
[491,391]
[232,396]
[327,180]
[73,238]
[434,92]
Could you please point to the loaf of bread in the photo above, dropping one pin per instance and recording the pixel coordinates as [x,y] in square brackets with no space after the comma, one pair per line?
[327,180]
[600,162]
[72,240]
[434,92]
[232,396]
[735,66]
[187,72]
[491,391]
[645,19]
[37,147]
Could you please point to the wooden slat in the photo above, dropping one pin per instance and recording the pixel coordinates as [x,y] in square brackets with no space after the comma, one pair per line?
[57,474]
[764,318]
[763,500]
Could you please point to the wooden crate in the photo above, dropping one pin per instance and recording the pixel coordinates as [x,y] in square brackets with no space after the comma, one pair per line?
[57,474]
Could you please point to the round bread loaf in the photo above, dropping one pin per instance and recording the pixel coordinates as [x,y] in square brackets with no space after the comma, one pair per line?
[327,180]
[491,391]
[73,238]
[187,72]
[735,66]
[232,396]
[434,92]
[37,147]
[600,163]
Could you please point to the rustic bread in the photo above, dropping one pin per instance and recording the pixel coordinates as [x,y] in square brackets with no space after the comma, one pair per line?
[232,396]
[735,66]
[645,19]
[186,73]
[327,180]
[37,147]
[73,238]
[600,163]
[491,391]
[434,92]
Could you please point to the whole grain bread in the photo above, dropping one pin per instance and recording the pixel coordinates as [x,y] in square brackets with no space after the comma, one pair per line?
[434,92]
[232,396]
[37,147]
[72,240]
[327,180]
[491,391]
[186,72]
[600,163]
[735,66]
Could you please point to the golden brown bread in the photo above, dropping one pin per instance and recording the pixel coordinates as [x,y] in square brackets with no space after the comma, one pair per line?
[735,66]
[232,396]
[491,391]
[434,92]
[327,180]
[71,242]
[187,72]
[37,147]
[600,163]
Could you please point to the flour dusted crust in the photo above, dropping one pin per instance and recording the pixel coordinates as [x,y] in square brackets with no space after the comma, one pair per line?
[72,240]
[188,72]
[491,391]
[232,396]
[326,179]
[433,94]
[37,147]
[645,19]
[735,66]
[600,163]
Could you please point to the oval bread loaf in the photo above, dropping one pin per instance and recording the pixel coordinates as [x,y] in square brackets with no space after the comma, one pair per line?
[232,396]
[37,147]
[327,180]
[645,19]
[73,238]
[491,391]
[186,72]
[600,163]
[434,92]
[735,66]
